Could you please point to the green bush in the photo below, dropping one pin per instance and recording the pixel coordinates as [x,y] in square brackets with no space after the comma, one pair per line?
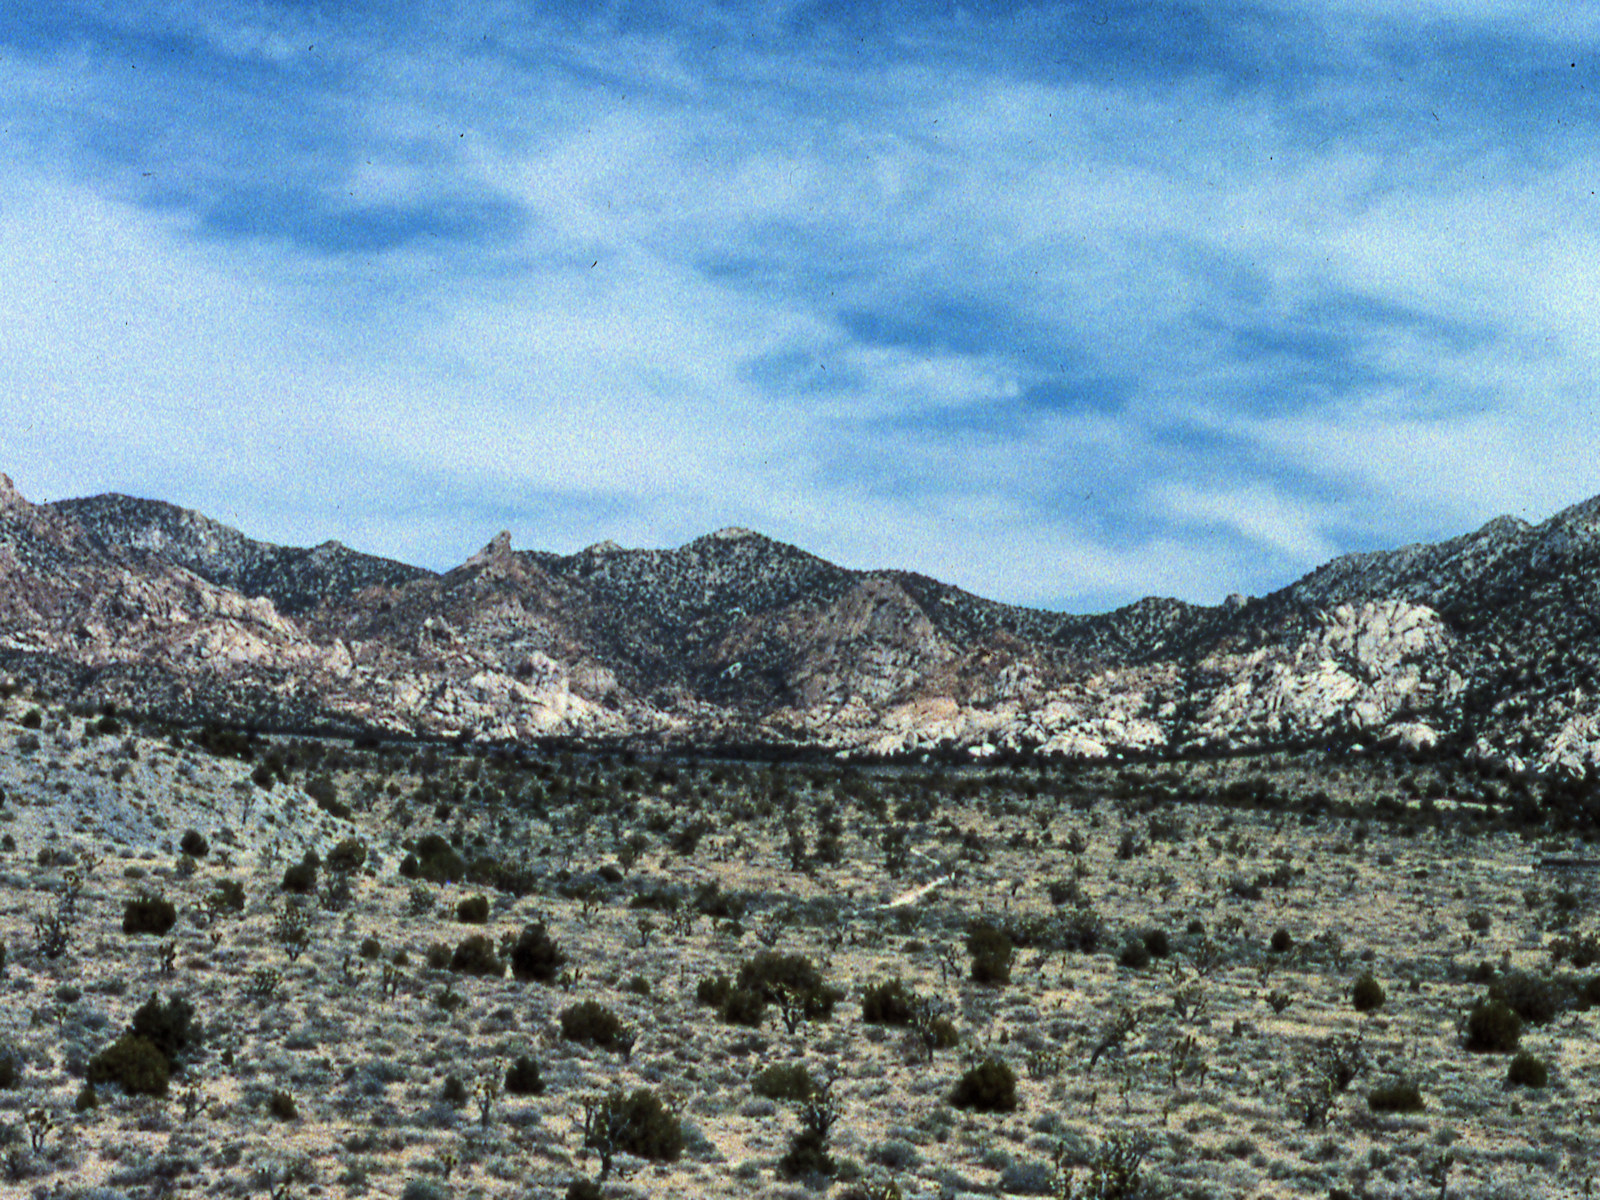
[437,956]
[584,1189]
[170,1027]
[194,844]
[348,856]
[1536,1000]
[1528,1071]
[535,956]
[1396,1097]
[10,1066]
[435,860]
[281,1107]
[134,1063]
[890,1003]
[990,1086]
[474,910]
[807,1156]
[148,914]
[301,878]
[734,1005]
[475,955]
[371,949]
[522,1078]
[991,949]
[1281,943]
[1135,955]
[1157,942]
[227,896]
[592,1022]
[1368,994]
[771,976]
[454,1091]
[713,990]
[1493,1027]
[647,1128]
[780,1082]
[324,794]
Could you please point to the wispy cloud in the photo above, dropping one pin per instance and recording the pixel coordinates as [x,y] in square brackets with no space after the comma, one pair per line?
[1065,302]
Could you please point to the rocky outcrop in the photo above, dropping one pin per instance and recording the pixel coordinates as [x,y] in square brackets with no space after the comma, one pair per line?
[1485,644]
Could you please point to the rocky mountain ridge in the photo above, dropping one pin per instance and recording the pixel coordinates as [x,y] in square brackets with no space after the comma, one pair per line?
[1487,644]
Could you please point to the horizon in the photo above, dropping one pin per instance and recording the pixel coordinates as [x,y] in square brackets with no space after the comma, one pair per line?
[1065,304]
[739,531]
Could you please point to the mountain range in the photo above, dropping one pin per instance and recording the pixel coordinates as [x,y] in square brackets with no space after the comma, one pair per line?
[1485,645]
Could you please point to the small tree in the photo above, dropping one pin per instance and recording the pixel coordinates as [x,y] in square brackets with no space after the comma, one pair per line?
[991,951]
[535,955]
[808,1150]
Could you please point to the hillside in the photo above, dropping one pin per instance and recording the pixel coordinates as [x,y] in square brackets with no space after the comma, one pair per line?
[1485,644]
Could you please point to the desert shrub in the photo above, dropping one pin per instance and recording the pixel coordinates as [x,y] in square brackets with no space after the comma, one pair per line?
[522,1078]
[1368,994]
[991,949]
[10,1066]
[990,1086]
[134,1063]
[453,1091]
[713,990]
[1527,1070]
[1479,921]
[535,956]
[592,1022]
[1281,942]
[426,1189]
[474,910]
[371,949]
[1493,1027]
[170,1027]
[711,901]
[807,1157]
[659,898]
[890,1003]
[583,1189]
[194,844]
[772,976]
[784,1082]
[227,896]
[1395,1097]
[281,1107]
[348,856]
[324,794]
[646,1127]
[1135,955]
[475,955]
[1028,1179]
[1158,942]
[301,878]
[734,1005]
[1536,1000]
[437,956]
[148,914]
[435,860]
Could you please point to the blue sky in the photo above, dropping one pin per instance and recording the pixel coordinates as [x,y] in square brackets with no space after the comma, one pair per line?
[1064,303]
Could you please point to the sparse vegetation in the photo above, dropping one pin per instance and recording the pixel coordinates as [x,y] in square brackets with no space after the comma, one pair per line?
[1239,1048]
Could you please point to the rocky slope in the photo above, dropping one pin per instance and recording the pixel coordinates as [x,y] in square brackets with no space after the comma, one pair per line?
[1485,644]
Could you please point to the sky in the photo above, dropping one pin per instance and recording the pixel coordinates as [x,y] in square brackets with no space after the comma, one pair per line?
[1066,304]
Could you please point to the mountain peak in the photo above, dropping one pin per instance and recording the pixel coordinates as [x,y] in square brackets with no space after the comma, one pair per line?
[499,547]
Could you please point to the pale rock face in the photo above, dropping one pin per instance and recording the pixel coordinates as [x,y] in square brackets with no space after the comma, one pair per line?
[737,635]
